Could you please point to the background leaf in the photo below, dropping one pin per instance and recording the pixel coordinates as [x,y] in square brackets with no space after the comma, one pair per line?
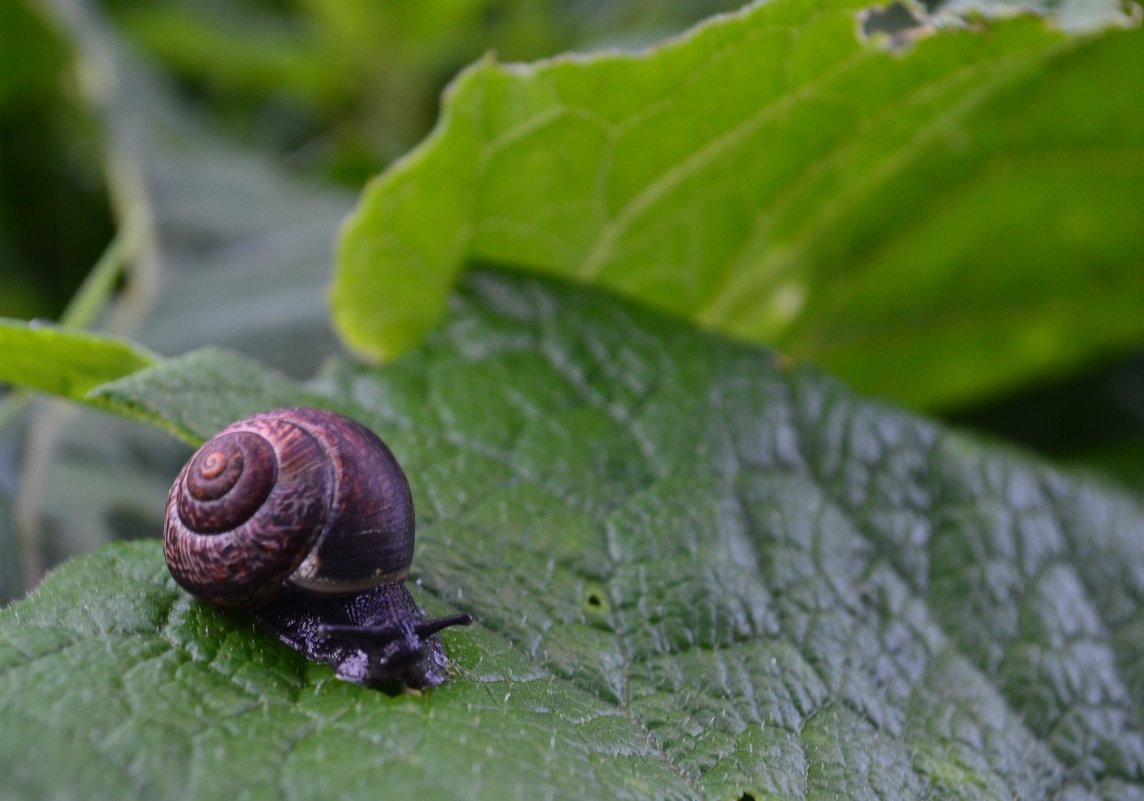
[341,88]
[1094,420]
[230,249]
[697,574]
[53,215]
[65,361]
[932,223]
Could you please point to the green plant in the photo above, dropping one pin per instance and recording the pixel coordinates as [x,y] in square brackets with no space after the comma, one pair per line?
[699,569]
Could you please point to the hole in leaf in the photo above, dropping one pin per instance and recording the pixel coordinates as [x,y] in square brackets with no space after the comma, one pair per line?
[594,603]
[894,25]
[746,797]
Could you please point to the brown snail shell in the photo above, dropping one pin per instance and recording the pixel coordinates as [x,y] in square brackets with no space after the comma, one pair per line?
[298,498]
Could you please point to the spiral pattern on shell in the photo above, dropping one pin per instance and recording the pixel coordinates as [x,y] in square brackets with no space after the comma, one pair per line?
[297,497]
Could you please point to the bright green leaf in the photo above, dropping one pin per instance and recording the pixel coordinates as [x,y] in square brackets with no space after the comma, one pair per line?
[696,574]
[65,361]
[931,222]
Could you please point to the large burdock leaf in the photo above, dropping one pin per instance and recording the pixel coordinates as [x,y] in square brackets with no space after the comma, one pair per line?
[931,221]
[697,573]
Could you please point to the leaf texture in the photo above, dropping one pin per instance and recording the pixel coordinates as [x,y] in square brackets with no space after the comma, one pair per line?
[697,573]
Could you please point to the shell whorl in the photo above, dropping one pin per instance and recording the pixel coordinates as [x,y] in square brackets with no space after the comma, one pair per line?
[300,497]
[226,482]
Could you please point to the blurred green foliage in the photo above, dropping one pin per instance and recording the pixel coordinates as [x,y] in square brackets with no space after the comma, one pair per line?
[53,207]
[337,88]
[344,87]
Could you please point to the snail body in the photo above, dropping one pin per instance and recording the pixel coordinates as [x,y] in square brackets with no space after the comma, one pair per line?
[305,519]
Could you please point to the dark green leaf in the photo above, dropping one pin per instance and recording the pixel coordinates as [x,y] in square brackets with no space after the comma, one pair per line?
[696,574]
[1093,419]
[53,206]
[195,395]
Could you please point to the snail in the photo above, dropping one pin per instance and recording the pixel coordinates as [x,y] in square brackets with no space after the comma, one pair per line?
[304,519]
